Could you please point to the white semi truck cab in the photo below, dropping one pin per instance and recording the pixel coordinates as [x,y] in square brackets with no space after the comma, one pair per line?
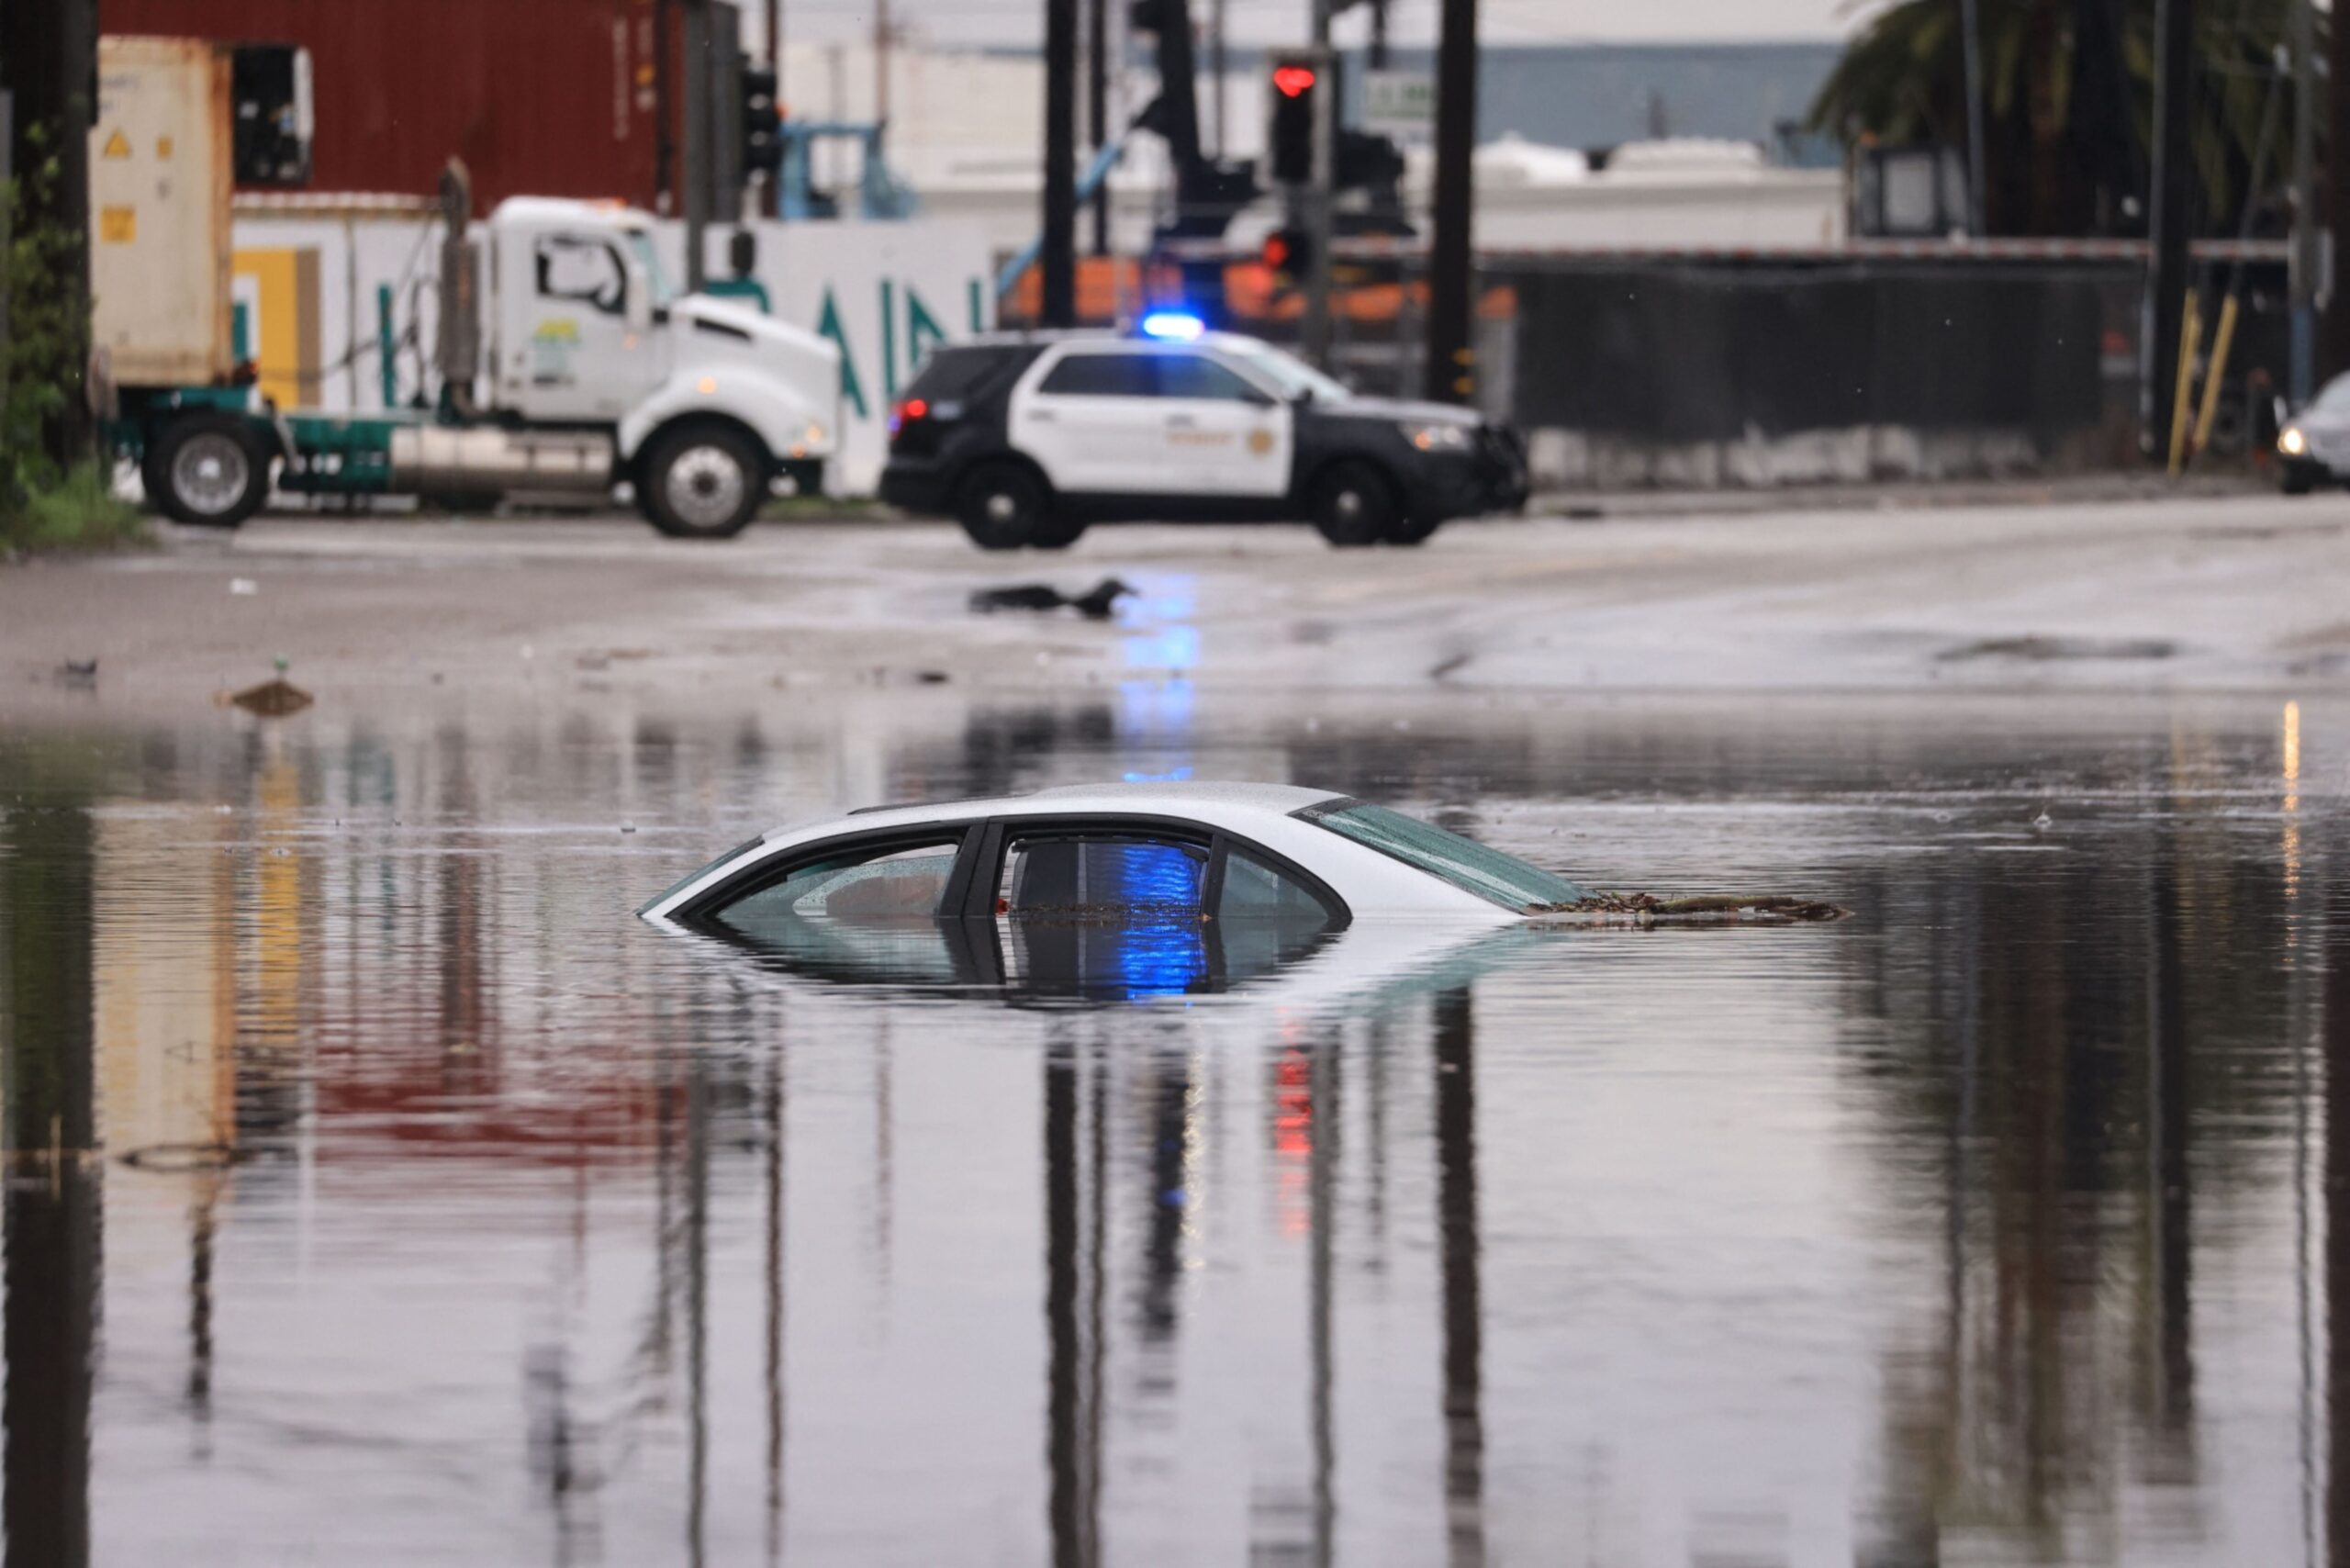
[568,363]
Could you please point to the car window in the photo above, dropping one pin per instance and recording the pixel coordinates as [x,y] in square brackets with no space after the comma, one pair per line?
[1192,375]
[957,373]
[1472,866]
[1101,876]
[1103,376]
[868,883]
[1265,917]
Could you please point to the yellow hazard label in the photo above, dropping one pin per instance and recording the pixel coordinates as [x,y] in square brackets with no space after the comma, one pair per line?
[162,147]
[117,146]
[118,225]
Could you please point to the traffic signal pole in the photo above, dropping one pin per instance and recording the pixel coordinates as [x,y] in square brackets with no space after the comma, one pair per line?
[1058,262]
[1450,369]
[698,151]
[1320,192]
[2165,350]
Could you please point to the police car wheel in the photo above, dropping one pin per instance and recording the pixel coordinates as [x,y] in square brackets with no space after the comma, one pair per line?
[1059,533]
[1004,507]
[1413,530]
[1354,505]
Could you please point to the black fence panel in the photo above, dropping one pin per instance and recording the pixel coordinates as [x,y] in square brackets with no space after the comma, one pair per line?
[1697,352]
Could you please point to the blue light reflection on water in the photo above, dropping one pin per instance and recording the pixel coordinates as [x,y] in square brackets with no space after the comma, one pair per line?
[1160,650]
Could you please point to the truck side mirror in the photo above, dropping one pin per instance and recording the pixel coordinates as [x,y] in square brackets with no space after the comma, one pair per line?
[640,297]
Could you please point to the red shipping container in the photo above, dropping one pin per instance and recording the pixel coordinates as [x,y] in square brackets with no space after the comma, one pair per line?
[539,98]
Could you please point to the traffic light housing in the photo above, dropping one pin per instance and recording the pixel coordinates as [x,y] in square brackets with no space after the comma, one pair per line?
[762,122]
[1288,254]
[1293,87]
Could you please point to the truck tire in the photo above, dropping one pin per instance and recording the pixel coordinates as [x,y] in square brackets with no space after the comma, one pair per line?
[1354,504]
[701,480]
[1004,506]
[207,470]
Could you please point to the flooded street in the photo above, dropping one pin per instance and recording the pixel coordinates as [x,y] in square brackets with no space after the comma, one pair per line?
[381,1190]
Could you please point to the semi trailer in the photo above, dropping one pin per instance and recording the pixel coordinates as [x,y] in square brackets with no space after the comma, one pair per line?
[567,361]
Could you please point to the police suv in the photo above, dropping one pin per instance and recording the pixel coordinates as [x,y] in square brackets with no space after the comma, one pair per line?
[1028,438]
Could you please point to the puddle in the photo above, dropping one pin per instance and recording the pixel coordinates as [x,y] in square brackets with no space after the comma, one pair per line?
[380,1189]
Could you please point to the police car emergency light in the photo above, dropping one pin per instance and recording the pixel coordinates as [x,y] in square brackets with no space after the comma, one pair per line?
[1173,326]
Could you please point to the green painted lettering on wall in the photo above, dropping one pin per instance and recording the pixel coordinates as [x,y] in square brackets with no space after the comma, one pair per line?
[829,324]
[922,328]
[888,340]
[978,318]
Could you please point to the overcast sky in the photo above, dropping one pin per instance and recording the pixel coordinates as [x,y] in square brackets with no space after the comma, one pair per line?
[1285,21]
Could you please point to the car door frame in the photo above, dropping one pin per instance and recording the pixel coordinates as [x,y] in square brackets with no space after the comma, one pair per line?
[985,874]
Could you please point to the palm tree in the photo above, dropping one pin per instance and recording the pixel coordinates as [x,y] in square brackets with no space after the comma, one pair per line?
[2068,104]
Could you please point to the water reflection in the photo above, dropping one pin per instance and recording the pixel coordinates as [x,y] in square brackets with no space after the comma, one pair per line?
[449,1214]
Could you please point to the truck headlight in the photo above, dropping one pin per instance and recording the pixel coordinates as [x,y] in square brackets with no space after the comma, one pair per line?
[815,435]
[2292,444]
[1438,438]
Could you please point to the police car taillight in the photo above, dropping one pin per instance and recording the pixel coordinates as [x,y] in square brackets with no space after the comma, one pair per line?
[908,411]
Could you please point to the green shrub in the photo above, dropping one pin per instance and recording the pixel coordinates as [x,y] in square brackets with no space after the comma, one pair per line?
[79,511]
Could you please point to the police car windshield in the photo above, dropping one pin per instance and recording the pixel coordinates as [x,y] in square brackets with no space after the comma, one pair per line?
[1293,375]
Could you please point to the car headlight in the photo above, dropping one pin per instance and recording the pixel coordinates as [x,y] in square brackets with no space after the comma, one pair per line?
[2292,444]
[1440,438]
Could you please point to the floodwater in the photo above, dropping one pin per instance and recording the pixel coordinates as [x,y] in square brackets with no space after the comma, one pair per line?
[381,1191]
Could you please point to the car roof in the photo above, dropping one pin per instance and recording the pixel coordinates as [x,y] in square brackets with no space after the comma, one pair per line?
[1179,798]
[1101,337]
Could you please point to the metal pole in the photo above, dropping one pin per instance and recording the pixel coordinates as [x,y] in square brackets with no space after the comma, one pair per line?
[2162,326]
[1215,64]
[1378,34]
[881,60]
[1971,21]
[1059,259]
[773,178]
[1319,202]
[2301,378]
[1097,110]
[1450,371]
[696,173]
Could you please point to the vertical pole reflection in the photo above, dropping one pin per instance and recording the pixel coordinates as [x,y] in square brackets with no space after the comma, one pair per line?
[49,1259]
[772,1114]
[2336,1025]
[1456,1205]
[2174,1242]
[1067,1505]
[697,1302]
[1321,1169]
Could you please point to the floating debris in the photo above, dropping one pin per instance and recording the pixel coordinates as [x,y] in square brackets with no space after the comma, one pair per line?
[273,699]
[1097,603]
[1703,909]
[77,672]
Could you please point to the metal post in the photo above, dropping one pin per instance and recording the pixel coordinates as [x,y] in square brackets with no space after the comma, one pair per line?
[1216,65]
[1318,193]
[1971,20]
[2161,329]
[2302,377]
[696,171]
[1097,110]
[2334,355]
[1378,34]
[881,34]
[1058,306]
[1450,366]
[664,112]
[773,178]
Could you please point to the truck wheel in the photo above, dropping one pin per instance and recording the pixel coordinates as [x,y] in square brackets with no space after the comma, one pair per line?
[209,470]
[1003,506]
[1354,504]
[702,481]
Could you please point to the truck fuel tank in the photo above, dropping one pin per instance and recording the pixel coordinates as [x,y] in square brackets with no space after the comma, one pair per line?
[429,458]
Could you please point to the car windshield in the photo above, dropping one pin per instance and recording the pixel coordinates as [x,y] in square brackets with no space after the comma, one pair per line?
[1472,866]
[1291,374]
[640,245]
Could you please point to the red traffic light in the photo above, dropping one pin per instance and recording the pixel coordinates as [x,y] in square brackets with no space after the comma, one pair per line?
[1293,81]
[1277,251]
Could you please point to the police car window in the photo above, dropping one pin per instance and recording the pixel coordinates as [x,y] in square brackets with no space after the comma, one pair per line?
[587,271]
[951,372]
[1190,375]
[1103,376]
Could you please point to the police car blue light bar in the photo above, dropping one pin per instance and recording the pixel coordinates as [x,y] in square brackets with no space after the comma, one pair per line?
[1172,326]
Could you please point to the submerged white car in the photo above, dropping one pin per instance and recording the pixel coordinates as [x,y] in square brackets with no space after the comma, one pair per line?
[1220,852]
